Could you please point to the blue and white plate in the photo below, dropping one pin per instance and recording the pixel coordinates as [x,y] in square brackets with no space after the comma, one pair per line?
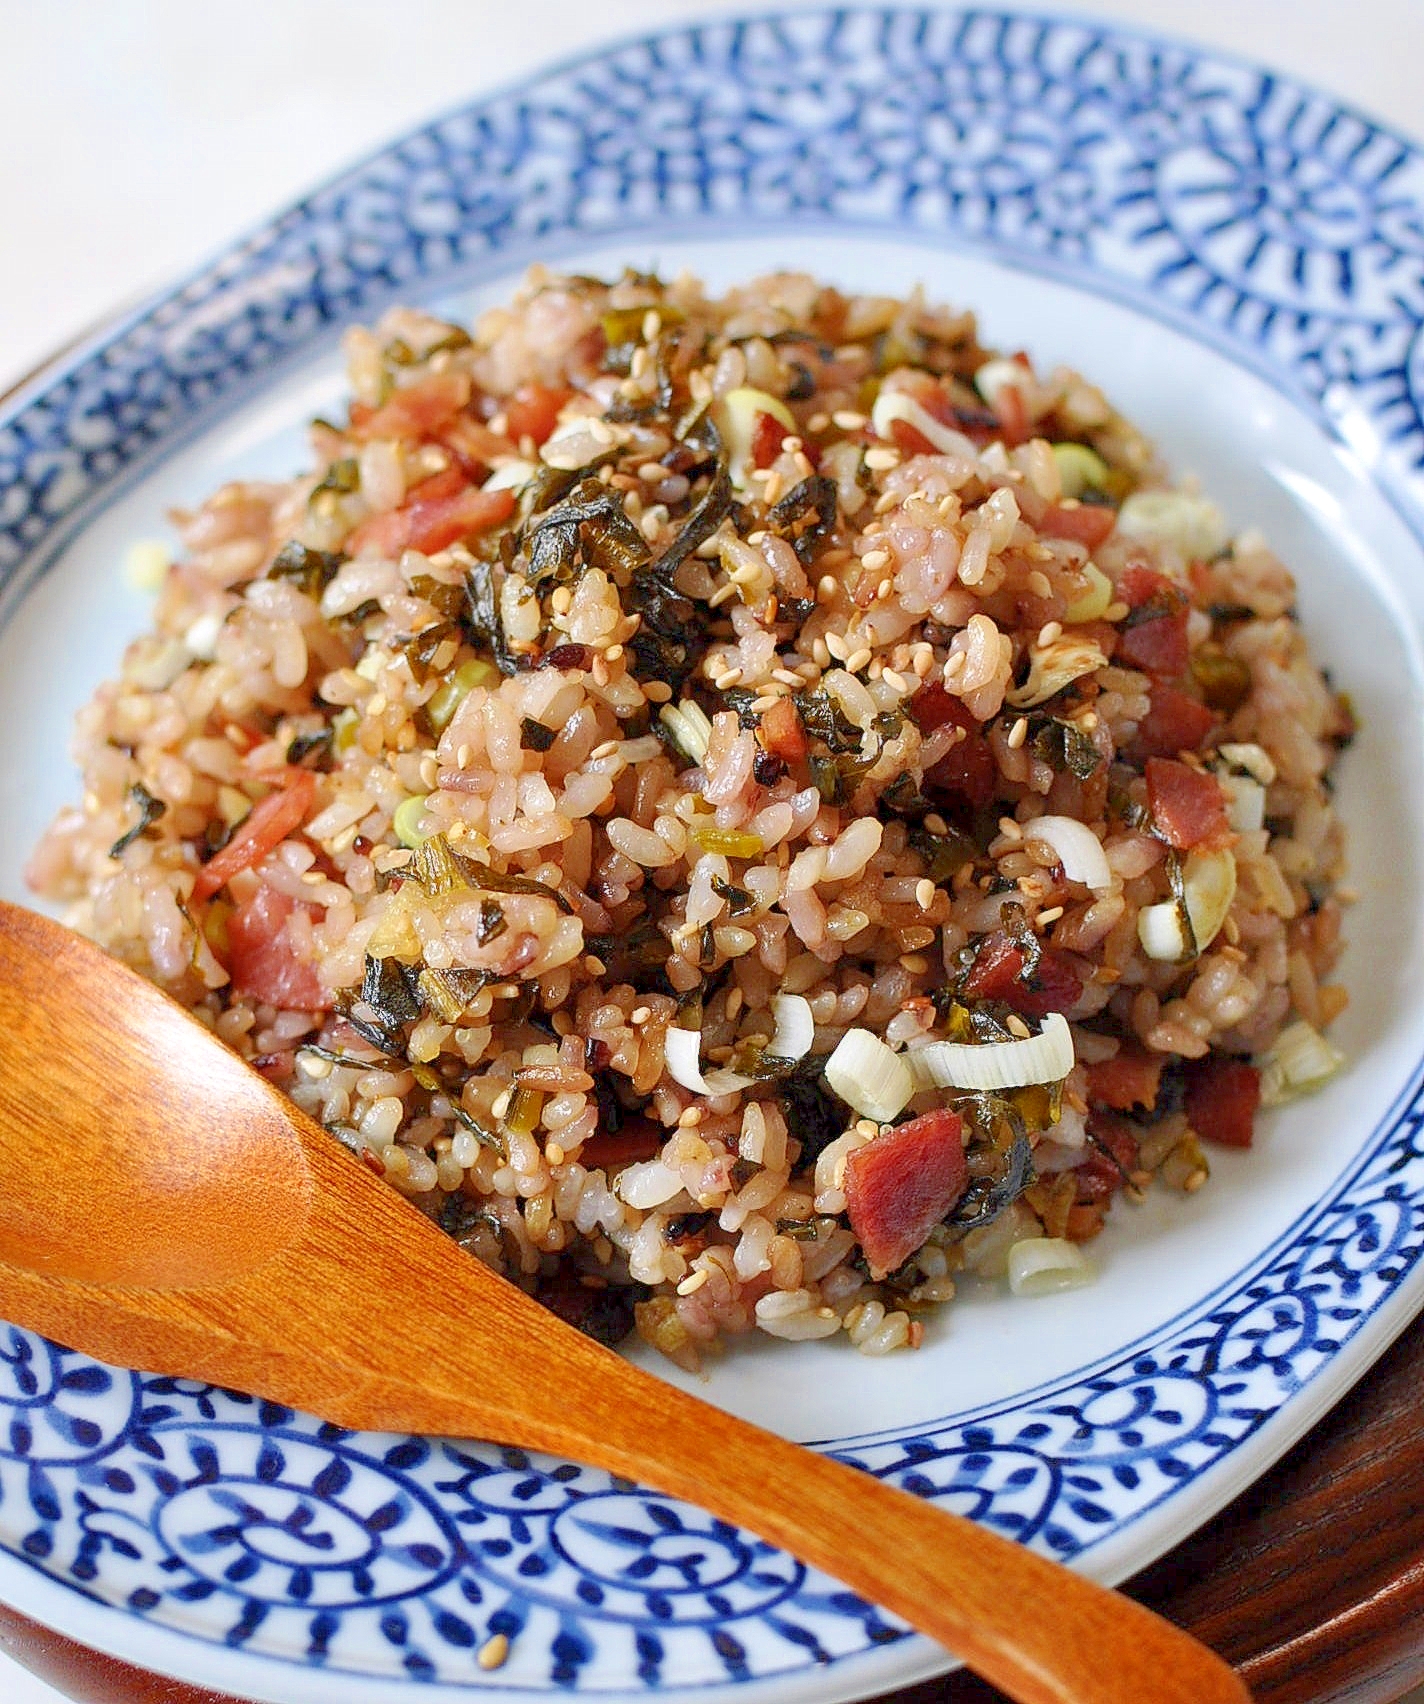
[1241,263]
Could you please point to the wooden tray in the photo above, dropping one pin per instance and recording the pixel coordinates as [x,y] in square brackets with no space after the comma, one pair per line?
[1312,1583]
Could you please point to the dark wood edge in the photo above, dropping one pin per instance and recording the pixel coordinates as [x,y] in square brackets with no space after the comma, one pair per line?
[1311,1583]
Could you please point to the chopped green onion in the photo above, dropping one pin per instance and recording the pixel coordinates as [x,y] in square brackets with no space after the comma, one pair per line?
[869,1076]
[1194,526]
[991,1066]
[452,692]
[406,821]
[1079,469]
[1040,1266]
[1208,888]
[1300,1060]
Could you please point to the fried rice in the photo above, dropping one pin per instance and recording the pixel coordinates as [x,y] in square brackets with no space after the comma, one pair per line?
[669,783]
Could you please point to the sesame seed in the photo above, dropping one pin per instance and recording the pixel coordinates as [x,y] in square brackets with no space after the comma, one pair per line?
[881,460]
[693,1281]
[1016,1026]
[607,749]
[1010,829]
[874,559]
[954,665]
[500,1105]
[728,677]
[923,660]
[463,756]
[1088,721]
[614,653]
[312,878]
[722,595]
[884,589]
[893,677]
[652,325]
[657,692]
[924,893]
[790,444]
[734,1002]
[916,963]
[494,1652]
[640,1014]
[377,704]
[1050,631]
[857,660]
[593,965]
[818,422]
[785,676]
[314,1066]
[773,487]
[1052,915]
[554,1153]
[837,646]
[885,502]
[867,1127]
[848,420]
[599,671]
[936,824]
[1018,733]
[820,652]
[690,1117]
[651,473]
[827,587]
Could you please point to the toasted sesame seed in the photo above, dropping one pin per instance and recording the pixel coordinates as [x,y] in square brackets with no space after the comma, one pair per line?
[1052,915]
[1010,829]
[848,419]
[881,460]
[893,677]
[314,1066]
[837,646]
[500,1104]
[690,1117]
[652,325]
[1088,721]
[614,653]
[1018,733]
[925,893]
[693,1281]
[773,487]
[785,676]
[657,691]
[867,1127]
[1016,1026]
[640,1014]
[790,444]
[1050,631]
[494,1653]
[916,963]
[885,502]
[857,660]
[954,664]
[722,595]
[607,749]
[884,589]
[554,1153]
[827,586]
[874,559]
[599,671]
[936,824]
[728,677]
[818,422]
[594,965]
[463,756]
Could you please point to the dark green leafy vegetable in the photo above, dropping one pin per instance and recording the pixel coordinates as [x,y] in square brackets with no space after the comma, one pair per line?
[590,525]
[491,923]
[1063,745]
[149,810]
[986,1198]
[389,988]
[448,992]
[340,478]
[315,744]
[311,570]
[534,736]
[482,621]
[805,515]
[944,854]
[814,1116]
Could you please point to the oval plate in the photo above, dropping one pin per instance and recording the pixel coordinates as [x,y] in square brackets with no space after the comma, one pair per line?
[1238,261]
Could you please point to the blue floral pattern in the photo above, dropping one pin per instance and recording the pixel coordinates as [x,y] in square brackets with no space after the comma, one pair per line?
[1253,213]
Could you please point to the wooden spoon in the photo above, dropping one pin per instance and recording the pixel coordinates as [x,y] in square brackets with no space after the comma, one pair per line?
[166,1208]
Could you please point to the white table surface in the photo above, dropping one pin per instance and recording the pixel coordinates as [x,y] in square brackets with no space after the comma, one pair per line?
[138,136]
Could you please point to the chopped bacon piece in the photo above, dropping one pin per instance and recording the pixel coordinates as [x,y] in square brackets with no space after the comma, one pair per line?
[997,974]
[533,411]
[909,440]
[263,963]
[1174,722]
[441,511]
[1131,1078]
[1013,416]
[637,1138]
[967,769]
[901,1184]
[1188,808]
[266,825]
[1221,1099]
[1111,1159]
[782,731]
[1154,636]
[767,434]
[419,411]
[1088,524]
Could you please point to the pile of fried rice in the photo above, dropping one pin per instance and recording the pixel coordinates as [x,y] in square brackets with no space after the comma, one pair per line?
[743,808]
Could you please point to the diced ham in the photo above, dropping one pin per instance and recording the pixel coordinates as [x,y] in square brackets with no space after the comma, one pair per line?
[1087,524]
[782,731]
[1188,808]
[1013,415]
[1130,1079]
[262,961]
[901,1184]
[533,411]
[441,511]
[1174,722]
[967,770]
[266,825]
[1222,1096]
[997,974]
[419,411]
